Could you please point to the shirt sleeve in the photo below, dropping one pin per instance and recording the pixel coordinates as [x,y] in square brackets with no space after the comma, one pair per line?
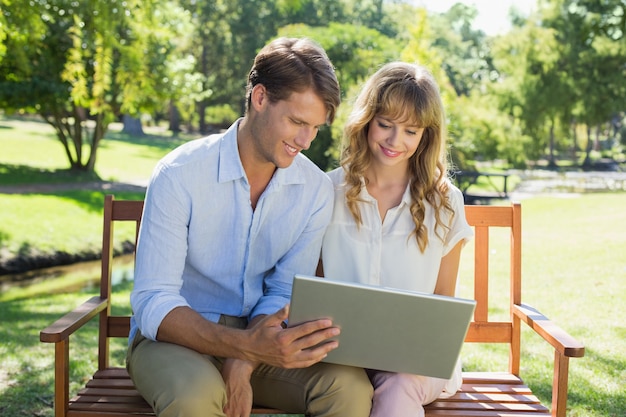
[161,252]
[460,230]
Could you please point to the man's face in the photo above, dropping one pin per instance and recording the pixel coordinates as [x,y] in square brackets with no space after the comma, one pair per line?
[286,127]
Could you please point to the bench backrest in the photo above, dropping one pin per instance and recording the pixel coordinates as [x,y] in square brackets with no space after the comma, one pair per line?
[482,329]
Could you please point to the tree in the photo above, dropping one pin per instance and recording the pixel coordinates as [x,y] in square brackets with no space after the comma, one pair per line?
[594,32]
[561,67]
[86,64]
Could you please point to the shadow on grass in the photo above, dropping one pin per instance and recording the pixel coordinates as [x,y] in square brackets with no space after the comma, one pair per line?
[151,140]
[26,364]
[93,200]
[584,394]
[28,383]
[15,175]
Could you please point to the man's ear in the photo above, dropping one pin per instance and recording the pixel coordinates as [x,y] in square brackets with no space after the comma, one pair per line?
[259,98]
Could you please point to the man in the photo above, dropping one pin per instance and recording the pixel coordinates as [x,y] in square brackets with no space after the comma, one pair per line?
[228,221]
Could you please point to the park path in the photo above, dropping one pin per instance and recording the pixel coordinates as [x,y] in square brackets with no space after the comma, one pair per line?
[533,183]
[108,186]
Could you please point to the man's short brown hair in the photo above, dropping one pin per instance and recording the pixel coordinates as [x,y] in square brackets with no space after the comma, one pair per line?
[288,65]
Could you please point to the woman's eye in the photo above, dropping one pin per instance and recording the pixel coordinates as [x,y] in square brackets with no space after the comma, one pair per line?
[383,125]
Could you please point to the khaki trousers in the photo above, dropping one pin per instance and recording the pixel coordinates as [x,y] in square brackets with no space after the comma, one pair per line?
[180,382]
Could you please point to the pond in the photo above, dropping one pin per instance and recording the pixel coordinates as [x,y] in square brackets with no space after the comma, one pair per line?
[81,275]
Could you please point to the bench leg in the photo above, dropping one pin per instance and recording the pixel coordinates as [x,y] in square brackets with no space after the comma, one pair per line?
[61,377]
[559,385]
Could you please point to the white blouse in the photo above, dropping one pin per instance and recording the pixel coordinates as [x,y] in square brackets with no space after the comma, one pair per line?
[386,253]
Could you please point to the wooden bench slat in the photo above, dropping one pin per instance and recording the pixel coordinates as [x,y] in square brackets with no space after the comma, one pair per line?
[484,413]
[109,392]
[472,405]
[110,383]
[490,377]
[112,373]
[101,413]
[499,398]
[112,407]
[93,398]
[495,388]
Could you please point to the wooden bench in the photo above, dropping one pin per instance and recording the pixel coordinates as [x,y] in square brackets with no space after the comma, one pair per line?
[111,392]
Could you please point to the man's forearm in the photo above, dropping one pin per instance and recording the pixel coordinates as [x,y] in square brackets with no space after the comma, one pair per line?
[184,326]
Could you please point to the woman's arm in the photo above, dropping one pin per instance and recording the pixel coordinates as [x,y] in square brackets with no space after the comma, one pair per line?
[448,271]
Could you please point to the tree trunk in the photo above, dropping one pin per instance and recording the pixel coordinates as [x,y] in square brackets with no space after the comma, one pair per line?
[574,143]
[551,159]
[97,135]
[132,126]
[201,106]
[78,131]
[588,148]
[174,117]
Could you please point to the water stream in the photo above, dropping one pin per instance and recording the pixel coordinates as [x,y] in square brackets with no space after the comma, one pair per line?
[88,274]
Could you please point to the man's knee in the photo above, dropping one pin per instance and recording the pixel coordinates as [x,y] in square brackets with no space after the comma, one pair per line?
[177,381]
[192,400]
[341,390]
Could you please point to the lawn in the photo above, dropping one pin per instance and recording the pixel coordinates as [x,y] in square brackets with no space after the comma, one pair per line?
[31,152]
[42,225]
[574,269]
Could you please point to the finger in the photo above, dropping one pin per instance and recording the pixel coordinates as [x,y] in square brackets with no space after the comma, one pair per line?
[308,357]
[276,319]
[310,334]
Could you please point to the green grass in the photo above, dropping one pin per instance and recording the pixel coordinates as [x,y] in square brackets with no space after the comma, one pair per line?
[42,224]
[574,271]
[31,154]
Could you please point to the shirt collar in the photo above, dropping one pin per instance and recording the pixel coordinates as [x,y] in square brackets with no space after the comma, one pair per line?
[406,197]
[231,169]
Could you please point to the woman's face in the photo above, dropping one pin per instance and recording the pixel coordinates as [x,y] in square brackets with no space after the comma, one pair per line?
[391,142]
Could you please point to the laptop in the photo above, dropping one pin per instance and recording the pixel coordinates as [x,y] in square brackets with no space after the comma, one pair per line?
[385,328]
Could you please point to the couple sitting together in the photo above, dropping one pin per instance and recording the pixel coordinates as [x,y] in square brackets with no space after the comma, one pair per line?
[231,218]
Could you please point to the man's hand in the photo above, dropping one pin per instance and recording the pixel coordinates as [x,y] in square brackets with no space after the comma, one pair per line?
[294,347]
[236,374]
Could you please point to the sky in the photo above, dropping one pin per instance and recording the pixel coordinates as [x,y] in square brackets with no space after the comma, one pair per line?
[492,14]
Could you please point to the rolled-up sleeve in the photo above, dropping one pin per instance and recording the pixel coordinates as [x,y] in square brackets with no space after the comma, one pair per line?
[161,253]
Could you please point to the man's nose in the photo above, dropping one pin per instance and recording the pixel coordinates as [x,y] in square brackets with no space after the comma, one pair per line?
[305,137]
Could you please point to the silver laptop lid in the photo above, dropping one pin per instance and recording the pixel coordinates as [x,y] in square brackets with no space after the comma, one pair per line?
[384,328]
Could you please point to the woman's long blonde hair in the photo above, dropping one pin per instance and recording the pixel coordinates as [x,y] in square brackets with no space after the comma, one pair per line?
[406,93]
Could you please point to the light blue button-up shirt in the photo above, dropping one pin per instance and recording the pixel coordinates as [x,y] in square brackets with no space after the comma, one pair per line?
[201,245]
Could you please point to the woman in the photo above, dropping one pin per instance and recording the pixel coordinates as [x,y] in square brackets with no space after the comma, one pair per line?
[397,220]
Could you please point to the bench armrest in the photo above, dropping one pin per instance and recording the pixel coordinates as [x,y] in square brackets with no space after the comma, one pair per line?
[544,327]
[72,321]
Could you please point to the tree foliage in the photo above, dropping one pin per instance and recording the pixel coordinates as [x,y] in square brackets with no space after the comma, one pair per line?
[517,97]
